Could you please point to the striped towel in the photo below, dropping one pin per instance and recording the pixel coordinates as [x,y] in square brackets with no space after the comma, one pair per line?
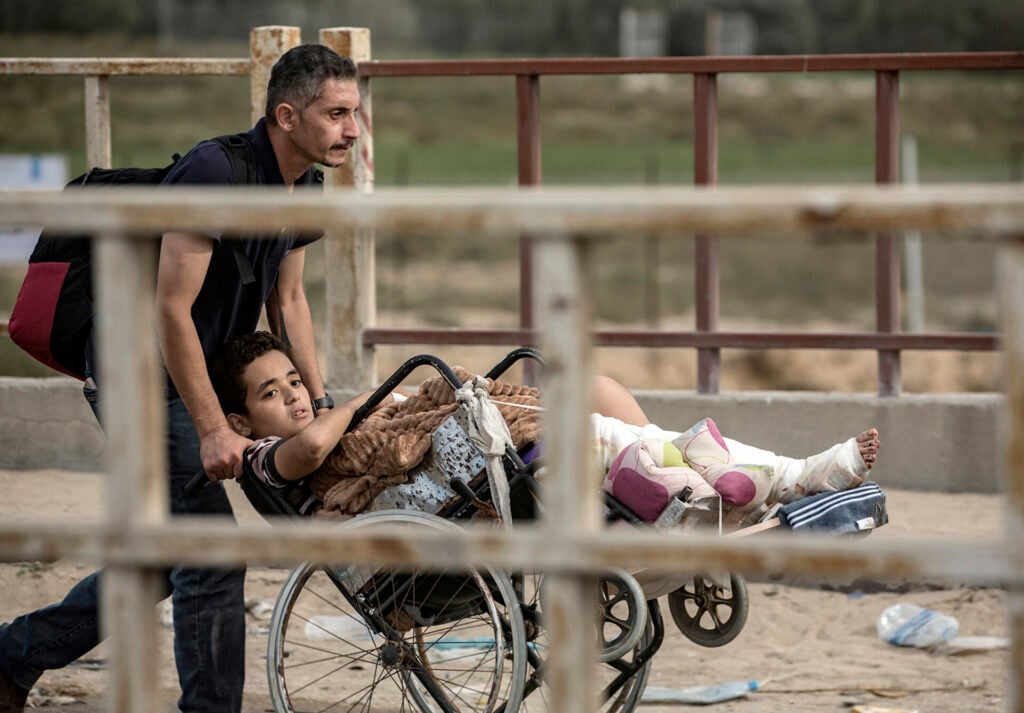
[838,513]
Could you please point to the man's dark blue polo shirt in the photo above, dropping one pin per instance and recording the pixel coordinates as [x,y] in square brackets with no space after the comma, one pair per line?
[225,308]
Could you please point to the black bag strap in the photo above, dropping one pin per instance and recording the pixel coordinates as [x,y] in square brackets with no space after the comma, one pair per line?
[243,166]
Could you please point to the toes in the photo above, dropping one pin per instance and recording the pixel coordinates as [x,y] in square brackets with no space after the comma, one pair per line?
[869,435]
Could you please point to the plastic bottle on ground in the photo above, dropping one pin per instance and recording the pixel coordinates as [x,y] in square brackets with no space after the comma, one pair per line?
[906,624]
[715,693]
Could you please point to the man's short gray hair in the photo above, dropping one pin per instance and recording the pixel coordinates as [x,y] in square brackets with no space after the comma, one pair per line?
[298,77]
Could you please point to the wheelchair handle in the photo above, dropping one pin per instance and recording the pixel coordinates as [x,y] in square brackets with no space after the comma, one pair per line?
[198,482]
[511,358]
[392,383]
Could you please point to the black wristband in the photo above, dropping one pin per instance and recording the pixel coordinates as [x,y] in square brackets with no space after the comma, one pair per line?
[324,401]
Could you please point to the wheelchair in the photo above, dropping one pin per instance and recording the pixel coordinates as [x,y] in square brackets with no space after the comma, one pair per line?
[357,638]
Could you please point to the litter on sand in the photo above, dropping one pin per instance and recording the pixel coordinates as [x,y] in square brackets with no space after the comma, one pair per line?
[698,695]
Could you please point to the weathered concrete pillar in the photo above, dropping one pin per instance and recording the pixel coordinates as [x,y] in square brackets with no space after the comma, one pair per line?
[266,45]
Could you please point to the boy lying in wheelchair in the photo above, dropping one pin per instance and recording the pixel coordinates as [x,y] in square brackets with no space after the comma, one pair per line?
[319,468]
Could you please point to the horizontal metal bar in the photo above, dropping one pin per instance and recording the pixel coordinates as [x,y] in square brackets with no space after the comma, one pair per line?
[646,338]
[694,65]
[549,66]
[201,542]
[720,339]
[595,212]
[123,66]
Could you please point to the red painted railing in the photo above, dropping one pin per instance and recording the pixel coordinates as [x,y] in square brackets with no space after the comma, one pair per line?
[886,340]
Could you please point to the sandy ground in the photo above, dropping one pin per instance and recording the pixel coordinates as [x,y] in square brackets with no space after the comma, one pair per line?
[812,645]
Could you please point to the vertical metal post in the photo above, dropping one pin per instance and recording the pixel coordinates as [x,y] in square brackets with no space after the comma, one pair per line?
[1011,264]
[705,173]
[528,159]
[136,488]
[266,45]
[563,306]
[351,264]
[887,254]
[97,122]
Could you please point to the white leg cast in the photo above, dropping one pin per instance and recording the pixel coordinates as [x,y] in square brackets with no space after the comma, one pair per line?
[749,455]
[839,468]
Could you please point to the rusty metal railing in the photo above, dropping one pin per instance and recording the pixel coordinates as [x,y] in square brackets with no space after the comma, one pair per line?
[351,322]
[706,338]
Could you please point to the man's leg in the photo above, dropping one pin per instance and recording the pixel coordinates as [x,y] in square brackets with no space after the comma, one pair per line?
[208,604]
[54,636]
[51,637]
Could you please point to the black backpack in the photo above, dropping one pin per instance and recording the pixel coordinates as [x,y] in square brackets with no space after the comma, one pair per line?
[53,313]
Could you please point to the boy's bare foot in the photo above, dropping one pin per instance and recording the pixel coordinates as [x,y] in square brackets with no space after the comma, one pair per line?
[868,445]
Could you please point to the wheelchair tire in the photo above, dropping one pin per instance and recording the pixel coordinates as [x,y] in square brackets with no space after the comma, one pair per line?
[624,700]
[708,614]
[363,639]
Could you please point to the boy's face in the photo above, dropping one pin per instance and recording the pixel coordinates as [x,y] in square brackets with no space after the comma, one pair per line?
[275,397]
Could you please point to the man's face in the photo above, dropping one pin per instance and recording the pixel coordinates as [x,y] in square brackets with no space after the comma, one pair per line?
[275,397]
[326,129]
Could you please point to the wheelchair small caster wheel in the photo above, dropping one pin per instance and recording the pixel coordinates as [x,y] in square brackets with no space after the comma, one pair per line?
[622,615]
[708,613]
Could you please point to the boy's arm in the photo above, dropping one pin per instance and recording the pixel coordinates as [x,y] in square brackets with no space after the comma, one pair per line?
[304,452]
[184,259]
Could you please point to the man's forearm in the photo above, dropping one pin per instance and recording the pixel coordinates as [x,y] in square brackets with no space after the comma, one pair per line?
[299,324]
[183,357]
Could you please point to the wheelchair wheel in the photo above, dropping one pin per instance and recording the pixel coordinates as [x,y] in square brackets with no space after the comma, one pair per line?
[709,614]
[616,696]
[357,638]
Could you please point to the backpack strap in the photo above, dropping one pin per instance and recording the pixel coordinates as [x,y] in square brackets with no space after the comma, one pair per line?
[243,166]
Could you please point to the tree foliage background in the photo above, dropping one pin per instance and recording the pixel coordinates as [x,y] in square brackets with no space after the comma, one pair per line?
[548,27]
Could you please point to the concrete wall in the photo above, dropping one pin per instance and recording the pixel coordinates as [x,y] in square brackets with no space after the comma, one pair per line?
[941,443]
[46,423]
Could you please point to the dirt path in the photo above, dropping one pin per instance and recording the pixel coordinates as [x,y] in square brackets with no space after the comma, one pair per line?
[813,647]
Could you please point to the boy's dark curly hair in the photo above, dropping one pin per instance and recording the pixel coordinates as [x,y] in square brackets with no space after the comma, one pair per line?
[227,365]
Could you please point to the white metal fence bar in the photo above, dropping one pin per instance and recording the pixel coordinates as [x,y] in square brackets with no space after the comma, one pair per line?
[132,410]
[562,302]
[599,213]
[110,66]
[1011,263]
[204,543]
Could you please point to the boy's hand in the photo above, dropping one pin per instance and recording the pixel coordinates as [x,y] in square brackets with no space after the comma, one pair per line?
[221,451]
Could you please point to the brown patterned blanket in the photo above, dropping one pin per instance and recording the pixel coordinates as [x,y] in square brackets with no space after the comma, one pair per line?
[392,440]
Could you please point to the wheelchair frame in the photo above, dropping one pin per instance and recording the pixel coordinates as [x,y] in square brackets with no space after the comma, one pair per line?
[387,615]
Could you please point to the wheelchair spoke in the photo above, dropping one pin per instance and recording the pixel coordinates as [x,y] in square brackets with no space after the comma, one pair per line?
[360,639]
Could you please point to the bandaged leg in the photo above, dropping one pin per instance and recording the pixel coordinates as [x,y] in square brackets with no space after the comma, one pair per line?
[839,468]
[750,455]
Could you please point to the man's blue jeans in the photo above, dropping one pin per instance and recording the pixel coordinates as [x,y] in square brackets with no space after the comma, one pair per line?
[209,605]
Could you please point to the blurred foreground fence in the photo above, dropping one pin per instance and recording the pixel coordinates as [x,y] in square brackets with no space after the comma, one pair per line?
[352,333]
[136,539]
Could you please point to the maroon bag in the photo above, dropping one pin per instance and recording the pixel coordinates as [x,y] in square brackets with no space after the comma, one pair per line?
[52,316]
